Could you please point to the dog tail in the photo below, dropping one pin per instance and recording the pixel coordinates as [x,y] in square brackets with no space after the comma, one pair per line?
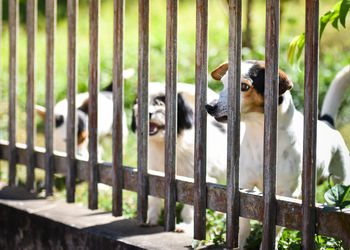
[127,73]
[335,95]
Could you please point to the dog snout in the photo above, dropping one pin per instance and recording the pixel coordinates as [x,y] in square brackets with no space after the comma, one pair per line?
[211,108]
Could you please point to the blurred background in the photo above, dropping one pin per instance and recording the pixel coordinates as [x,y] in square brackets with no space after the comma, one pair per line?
[334,55]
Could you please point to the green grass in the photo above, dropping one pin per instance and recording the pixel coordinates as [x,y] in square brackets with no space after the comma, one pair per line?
[334,44]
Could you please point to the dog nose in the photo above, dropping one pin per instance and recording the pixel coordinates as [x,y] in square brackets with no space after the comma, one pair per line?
[211,108]
[150,116]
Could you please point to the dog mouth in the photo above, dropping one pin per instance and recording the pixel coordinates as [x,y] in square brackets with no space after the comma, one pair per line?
[154,128]
[222,119]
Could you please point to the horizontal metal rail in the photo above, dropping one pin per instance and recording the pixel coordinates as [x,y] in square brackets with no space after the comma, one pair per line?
[289,210]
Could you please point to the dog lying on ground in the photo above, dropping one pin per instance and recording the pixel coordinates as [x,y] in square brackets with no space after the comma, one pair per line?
[216,154]
[332,153]
[104,123]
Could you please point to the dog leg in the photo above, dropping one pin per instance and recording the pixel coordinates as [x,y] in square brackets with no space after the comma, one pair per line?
[187,217]
[154,209]
[244,231]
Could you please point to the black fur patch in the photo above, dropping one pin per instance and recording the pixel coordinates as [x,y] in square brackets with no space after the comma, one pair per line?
[109,88]
[328,119]
[133,118]
[184,114]
[257,75]
[280,99]
[59,119]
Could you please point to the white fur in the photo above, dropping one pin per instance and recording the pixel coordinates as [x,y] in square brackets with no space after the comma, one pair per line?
[216,153]
[331,148]
[336,92]
[104,123]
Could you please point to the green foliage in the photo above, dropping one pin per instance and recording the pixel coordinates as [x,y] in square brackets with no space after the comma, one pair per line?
[339,196]
[337,14]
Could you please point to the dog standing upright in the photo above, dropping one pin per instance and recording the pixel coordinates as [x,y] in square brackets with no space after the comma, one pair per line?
[216,154]
[332,153]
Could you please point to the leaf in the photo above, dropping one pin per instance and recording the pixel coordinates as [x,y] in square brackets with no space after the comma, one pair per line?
[339,196]
[343,11]
[324,20]
[296,43]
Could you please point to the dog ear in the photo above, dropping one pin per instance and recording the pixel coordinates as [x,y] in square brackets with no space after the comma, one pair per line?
[184,114]
[220,71]
[284,82]
[41,111]
[133,118]
[85,106]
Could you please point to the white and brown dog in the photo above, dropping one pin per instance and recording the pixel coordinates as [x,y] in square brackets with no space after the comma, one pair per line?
[104,122]
[332,153]
[216,154]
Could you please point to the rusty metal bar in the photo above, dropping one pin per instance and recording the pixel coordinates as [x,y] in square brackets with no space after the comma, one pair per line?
[289,210]
[93,101]
[310,123]
[233,128]
[72,16]
[200,155]
[50,12]
[171,115]
[142,95]
[31,35]
[13,72]
[270,121]
[118,103]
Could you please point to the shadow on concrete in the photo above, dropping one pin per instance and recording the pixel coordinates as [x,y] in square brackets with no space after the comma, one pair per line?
[16,193]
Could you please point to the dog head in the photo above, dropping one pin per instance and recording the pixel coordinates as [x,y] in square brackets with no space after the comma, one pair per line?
[60,128]
[252,89]
[156,110]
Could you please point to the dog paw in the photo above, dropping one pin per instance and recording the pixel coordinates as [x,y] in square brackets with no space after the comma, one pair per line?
[179,230]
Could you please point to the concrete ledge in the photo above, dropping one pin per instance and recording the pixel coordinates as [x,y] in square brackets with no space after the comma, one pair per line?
[31,223]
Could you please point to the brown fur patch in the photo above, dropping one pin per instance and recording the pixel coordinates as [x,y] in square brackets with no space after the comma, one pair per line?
[252,100]
[284,82]
[220,71]
[82,137]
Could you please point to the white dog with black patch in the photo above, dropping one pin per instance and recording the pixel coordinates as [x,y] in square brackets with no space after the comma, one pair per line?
[104,120]
[216,153]
[332,153]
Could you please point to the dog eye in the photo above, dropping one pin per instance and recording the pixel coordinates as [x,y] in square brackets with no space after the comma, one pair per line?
[244,87]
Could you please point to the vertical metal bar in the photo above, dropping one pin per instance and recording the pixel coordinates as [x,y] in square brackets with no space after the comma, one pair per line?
[72,15]
[93,101]
[200,155]
[50,96]
[270,121]
[233,128]
[0,33]
[310,123]
[142,94]
[118,103]
[170,115]
[31,34]
[13,71]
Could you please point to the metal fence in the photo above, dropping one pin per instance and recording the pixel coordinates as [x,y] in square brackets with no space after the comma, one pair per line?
[305,216]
